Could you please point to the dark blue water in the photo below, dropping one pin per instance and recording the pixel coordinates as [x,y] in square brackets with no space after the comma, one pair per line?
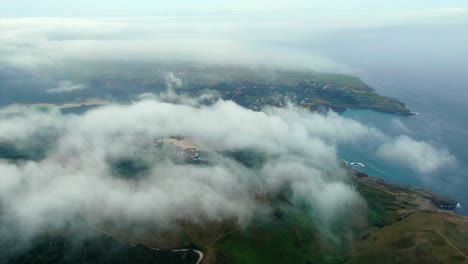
[442,121]
[425,66]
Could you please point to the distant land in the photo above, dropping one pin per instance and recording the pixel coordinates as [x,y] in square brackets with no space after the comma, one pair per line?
[253,88]
[89,102]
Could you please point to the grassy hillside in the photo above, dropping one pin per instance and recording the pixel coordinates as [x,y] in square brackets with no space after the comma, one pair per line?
[402,227]
[407,228]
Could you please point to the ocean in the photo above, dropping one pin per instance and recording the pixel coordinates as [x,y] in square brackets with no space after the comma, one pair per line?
[425,66]
[441,121]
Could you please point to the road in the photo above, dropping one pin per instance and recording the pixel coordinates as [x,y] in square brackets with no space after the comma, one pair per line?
[200,254]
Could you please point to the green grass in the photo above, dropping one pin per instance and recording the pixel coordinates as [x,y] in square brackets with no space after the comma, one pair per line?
[416,239]
[374,100]
[290,235]
[343,81]
[378,203]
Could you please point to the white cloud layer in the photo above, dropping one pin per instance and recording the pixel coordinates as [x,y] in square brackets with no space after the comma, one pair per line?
[242,37]
[33,42]
[76,178]
[66,87]
[417,155]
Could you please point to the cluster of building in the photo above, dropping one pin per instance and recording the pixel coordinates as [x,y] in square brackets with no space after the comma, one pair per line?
[192,155]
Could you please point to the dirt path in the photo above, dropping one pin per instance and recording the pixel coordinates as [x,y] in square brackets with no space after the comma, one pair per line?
[448,241]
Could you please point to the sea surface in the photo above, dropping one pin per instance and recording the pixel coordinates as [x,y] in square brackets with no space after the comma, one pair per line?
[425,66]
[442,121]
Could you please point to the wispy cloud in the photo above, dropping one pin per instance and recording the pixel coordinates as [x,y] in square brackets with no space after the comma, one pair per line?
[66,87]
[76,177]
[418,155]
[243,37]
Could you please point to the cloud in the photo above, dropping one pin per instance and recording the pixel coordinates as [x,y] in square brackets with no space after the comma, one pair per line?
[397,124]
[66,87]
[76,175]
[417,155]
[173,82]
[76,178]
[58,42]
[241,37]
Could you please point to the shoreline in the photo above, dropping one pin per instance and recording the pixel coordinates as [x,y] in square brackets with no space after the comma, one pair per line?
[439,201]
[91,102]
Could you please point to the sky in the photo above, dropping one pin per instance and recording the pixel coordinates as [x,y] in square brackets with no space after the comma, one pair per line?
[273,32]
[23,8]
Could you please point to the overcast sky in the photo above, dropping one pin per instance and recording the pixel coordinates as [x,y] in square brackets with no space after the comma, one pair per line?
[150,7]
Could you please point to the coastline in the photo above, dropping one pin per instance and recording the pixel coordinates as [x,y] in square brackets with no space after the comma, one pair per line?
[91,102]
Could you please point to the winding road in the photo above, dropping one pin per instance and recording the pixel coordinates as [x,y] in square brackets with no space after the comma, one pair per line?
[200,254]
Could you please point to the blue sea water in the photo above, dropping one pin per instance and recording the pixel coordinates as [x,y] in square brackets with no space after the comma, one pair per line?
[425,66]
[441,121]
